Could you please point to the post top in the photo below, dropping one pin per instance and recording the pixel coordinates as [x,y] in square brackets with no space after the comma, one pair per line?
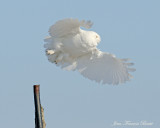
[36,88]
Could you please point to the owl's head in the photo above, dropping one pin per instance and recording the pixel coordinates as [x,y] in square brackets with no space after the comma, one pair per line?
[96,37]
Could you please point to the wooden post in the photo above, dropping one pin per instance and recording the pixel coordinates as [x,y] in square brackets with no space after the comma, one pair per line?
[38,112]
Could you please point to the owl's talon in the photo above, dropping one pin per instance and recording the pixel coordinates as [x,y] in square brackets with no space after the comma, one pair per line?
[55,62]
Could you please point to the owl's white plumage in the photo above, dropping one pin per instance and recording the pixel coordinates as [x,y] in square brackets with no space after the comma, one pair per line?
[72,48]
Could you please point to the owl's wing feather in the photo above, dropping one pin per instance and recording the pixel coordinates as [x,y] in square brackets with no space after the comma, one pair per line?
[68,26]
[104,68]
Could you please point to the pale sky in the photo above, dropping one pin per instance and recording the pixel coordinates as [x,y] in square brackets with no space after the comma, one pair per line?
[129,29]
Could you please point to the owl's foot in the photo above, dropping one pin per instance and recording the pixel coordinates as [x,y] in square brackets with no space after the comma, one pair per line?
[50,52]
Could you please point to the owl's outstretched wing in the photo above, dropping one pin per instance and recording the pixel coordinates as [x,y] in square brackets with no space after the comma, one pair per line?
[67,26]
[98,66]
[104,68]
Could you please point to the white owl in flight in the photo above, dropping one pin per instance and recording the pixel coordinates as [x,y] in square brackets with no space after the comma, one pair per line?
[72,48]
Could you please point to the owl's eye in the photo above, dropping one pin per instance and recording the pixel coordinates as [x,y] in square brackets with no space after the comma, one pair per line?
[96,36]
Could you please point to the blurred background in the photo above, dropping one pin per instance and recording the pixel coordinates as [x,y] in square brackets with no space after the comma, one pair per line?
[128,29]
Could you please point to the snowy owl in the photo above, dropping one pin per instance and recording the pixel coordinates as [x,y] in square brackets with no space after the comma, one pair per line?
[72,48]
